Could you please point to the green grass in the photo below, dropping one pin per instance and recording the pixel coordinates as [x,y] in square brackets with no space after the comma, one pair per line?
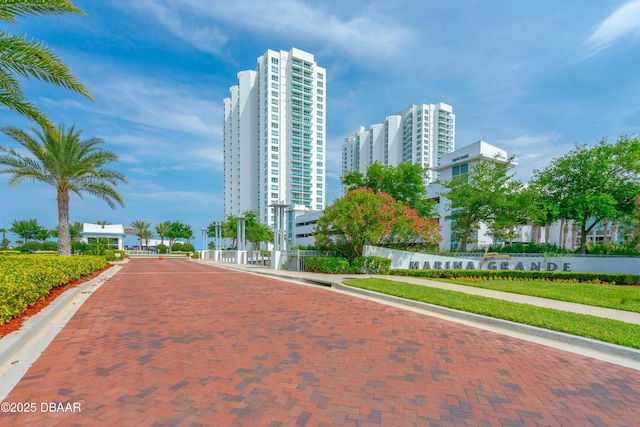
[607,330]
[599,295]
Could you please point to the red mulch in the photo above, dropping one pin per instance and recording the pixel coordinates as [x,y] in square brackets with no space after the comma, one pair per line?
[15,323]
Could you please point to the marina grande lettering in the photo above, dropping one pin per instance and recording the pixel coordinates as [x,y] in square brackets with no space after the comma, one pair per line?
[491,265]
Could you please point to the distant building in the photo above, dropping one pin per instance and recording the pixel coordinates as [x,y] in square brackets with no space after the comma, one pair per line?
[113,232]
[460,162]
[420,134]
[275,136]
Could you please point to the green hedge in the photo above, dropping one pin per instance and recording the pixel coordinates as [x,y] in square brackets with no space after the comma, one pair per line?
[620,279]
[329,265]
[361,265]
[371,265]
[26,279]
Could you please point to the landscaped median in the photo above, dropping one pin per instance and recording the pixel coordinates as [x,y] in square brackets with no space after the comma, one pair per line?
[606,330]
[24,279]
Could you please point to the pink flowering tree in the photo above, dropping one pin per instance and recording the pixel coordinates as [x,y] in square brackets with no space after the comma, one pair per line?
[365,217]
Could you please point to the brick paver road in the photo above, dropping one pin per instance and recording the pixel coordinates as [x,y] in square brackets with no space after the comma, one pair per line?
[178,343]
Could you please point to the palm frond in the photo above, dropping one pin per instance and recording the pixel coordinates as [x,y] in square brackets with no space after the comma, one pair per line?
[11,9]
[16,102]
[32,59]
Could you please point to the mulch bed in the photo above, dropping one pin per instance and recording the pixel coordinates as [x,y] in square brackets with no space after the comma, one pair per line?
[15,323]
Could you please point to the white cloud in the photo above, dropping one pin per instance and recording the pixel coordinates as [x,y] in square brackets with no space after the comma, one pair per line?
[623,23]
[194,21]
[532,151]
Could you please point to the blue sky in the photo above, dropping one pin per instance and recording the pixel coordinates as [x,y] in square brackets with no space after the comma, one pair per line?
[533,77]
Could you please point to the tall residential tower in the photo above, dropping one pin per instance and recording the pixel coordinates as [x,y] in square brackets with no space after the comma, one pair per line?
[275,136]
[418,134]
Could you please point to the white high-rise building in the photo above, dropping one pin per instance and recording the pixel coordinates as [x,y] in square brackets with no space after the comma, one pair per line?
[275,136]
[418,134]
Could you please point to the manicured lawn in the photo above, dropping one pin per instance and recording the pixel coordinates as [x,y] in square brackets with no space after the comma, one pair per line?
[606,330]
[599,295]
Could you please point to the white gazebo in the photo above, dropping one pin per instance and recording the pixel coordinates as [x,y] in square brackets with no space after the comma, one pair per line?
[114,232]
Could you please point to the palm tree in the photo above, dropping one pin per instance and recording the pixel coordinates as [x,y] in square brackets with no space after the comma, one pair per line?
[162,229]
[60,158]
[140,228]
[147,235]
[31,59]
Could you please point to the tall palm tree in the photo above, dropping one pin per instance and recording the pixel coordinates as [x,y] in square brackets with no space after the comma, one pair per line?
[59,157]
[31,59]
[162,229]
[140,228]
[147,235]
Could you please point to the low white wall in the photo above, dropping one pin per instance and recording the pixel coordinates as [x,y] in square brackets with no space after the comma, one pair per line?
[413,260]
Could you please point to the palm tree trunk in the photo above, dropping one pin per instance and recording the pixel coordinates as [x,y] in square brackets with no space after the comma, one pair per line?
[64,236]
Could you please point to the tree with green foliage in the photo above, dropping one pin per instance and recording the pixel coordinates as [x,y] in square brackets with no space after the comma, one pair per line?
[255,232]
[4,244]
[140,228]
[178,230]
[162,229]
[405,183]
[363,216]
[31,59]
[147,235]
[592,184]
[486,194]
[27,229]
[60,158]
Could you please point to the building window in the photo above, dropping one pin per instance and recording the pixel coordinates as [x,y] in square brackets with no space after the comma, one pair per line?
[274,101]
[274,86]
[320,84]
[319,164]
[319,185]
[320,76]
[274,187]
[274,69]
[274,77]
[274,133]
[274,124]
[462,170]
[274,164]
[274,60]
[274,195]
[319,106]
[320,99]
[274,156]
[274,179]
[320,92]
[274,148]
[274,93]
[319,120]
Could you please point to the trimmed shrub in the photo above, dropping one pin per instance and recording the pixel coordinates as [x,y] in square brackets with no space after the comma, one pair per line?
[26,279]
[110,255]
[162,248]
[328,265]
[176,247]
[371,265]
[32,246]
[188,247]
[50,246]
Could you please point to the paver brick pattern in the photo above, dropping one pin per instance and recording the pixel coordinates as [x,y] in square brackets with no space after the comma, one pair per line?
[176,343]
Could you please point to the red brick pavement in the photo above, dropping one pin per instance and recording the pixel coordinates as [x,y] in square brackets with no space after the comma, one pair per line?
[175,343]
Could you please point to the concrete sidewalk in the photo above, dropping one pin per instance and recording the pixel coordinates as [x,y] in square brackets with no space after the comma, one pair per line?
[612,353]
